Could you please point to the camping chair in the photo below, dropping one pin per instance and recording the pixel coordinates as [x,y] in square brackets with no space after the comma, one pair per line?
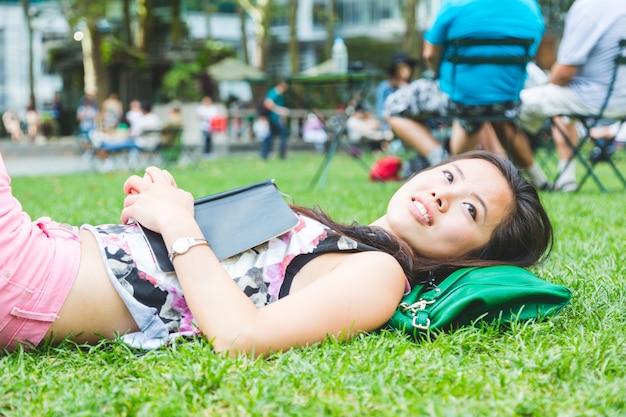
[516,52]
[601,150]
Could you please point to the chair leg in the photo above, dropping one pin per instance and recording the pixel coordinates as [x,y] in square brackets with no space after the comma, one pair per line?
[577,155]
[590,173]
[605,156]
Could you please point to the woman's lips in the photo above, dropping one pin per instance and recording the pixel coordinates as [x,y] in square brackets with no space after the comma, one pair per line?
[420,211]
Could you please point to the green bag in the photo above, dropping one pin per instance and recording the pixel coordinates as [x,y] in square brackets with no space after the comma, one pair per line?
[495,293]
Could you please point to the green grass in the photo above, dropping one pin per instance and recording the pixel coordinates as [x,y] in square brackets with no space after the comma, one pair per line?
[573,365]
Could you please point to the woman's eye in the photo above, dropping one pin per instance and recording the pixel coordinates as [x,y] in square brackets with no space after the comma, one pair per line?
[471,209]
[448,175]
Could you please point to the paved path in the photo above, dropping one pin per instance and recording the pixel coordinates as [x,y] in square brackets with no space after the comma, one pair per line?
[60,156]
[64,156]
[45,165]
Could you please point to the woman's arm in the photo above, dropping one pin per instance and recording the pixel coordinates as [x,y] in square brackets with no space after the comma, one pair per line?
[359,294]
[561,74]
[272,106]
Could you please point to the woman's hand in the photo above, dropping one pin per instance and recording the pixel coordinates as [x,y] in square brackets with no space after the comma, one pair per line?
[155,200]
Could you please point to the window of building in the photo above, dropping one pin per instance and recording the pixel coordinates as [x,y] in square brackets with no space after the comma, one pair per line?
[219,6]
[356,12]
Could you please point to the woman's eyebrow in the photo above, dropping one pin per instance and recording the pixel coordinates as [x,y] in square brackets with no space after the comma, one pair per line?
[476,196]
[482,203]
[458,171]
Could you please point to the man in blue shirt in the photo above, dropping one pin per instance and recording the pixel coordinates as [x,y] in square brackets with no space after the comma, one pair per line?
[475,90]
[482,84]
[274,103]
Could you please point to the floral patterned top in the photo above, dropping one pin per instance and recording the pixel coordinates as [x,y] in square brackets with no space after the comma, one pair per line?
[155,298]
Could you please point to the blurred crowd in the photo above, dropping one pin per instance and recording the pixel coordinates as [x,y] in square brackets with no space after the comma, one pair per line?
[32,125]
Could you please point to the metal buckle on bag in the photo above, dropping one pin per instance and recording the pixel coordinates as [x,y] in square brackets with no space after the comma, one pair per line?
[414,309]
[422,304]
[420,326]
[416,306]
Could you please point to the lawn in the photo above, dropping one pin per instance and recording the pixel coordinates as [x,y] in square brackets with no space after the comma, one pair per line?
[572,365]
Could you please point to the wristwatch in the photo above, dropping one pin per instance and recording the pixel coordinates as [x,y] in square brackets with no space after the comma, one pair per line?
[183,244]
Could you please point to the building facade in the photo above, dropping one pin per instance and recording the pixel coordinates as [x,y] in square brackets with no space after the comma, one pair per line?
[380,19]
[48,25]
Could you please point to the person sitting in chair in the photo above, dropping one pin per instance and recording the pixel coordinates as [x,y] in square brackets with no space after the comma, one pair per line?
[579,79]
[170,146]
[314,131]
[146,135]
[172,128]
[399,73]
[476,90]
[363,127]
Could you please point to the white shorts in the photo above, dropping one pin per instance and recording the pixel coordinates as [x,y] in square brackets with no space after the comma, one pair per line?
[541,102]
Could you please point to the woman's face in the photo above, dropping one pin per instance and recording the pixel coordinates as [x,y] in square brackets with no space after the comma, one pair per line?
[403,73]
[450,210]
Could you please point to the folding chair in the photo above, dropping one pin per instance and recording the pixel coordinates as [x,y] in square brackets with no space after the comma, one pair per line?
[458,54]
[103,159]
[516,52]
[147,151]
[601,150]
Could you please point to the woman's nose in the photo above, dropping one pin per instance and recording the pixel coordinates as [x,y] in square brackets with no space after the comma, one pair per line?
[442,200]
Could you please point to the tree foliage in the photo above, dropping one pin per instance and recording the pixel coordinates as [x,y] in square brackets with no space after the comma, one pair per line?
[181,81]
[189,81]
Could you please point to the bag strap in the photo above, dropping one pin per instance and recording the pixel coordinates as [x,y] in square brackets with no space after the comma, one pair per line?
[449,281]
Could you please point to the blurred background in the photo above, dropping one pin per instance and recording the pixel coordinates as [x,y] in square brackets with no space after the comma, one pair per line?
[54,53]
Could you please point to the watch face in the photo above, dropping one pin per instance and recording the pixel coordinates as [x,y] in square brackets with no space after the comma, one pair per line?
[181,245]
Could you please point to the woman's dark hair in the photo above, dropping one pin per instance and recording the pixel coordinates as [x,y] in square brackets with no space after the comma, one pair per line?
[396,60]
[522,238]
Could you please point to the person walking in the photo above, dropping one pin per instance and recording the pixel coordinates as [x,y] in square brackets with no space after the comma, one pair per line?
[274,102]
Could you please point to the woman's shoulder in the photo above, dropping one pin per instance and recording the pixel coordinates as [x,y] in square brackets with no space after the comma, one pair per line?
[373,267]
[370,272]
[376,258]
[367,275]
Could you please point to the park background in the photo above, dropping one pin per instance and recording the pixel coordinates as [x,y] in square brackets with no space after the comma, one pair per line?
[160,50]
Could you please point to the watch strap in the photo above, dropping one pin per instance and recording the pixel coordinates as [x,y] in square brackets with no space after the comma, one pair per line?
[190,243]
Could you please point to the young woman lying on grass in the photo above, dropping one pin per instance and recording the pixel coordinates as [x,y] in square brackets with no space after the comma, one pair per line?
[315,281]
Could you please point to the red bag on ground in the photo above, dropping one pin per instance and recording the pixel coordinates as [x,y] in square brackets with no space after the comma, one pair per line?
[386,168]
